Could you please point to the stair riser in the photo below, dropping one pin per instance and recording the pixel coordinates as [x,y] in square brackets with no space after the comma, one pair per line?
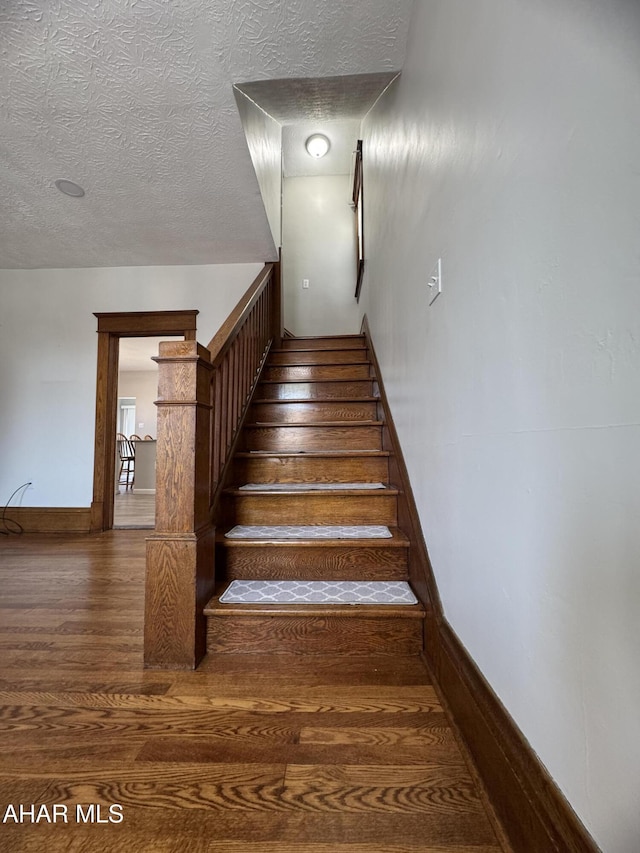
[298,469]
[314,509]
[331,356]
[324,343]
[290,438]
[311,412]
[308,635]
[314,390]
[300,373]
[285,562]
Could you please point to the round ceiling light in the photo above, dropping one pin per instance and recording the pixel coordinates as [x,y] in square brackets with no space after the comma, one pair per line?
[317,145]
[70,188]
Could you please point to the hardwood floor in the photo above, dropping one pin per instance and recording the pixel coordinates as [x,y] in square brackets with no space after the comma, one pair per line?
[134,510]
[252,753]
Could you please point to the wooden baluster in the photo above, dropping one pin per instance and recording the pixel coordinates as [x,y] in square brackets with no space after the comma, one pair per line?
[226,401]
[263,315]
[241,370]
[252,349]
[265,296]
[236,395]
[267,310]
[259,323]
[260,327]
[232,363]
[254,337]
[217,428]
[265,322]
[229,411]
[248,377]
[244,366]
[238,401]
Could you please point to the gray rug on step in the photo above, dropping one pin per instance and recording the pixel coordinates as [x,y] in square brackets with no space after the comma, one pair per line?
[318,592]
[309,531]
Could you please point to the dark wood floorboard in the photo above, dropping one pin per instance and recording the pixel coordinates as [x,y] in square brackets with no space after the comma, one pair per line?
[250,754]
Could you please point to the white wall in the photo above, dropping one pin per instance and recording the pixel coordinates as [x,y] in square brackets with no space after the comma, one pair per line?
[264,139]
[143,385]
[318,244]
[510,148]
[48,350]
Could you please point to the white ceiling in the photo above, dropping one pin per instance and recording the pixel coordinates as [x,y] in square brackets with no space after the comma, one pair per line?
[333,105]
[317,99]
[137,353]
[133,99]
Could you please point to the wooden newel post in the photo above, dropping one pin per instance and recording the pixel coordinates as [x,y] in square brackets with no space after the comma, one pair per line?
[180,553]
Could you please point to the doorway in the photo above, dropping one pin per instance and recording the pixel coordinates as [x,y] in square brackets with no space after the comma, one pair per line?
[136,432]
[111,328]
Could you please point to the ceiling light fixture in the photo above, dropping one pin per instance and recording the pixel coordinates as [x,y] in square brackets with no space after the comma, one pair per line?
[70,188]
[317,145]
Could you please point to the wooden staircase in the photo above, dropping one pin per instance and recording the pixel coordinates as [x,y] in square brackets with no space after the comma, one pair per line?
[313,420]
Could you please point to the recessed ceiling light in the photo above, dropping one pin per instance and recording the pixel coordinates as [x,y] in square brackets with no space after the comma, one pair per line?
[69,188]
[317,145]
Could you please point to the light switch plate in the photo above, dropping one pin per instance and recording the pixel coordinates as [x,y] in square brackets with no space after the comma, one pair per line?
[435,282]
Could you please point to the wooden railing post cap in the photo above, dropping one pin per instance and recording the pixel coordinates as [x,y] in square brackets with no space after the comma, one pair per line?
[182,349]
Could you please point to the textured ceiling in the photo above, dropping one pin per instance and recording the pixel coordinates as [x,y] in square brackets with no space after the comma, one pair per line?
[133,99]
[318,99]
[334,106]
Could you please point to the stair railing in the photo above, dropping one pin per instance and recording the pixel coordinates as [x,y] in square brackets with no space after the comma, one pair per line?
[238,352]
[203,396]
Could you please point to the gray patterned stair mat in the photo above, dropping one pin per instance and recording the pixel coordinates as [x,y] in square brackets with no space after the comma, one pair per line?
[309,531]
[318,592]
[307,487]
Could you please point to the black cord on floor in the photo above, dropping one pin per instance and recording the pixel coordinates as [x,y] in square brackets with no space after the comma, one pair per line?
[10,525]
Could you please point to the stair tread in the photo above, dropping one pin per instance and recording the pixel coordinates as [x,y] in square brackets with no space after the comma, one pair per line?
[216,608]
[318,592]
[318,532]
[325,337]
[396,540]
[335,342]
[411,611]
[315,454]
[346,492]
[318,349]
[313,486]
[312,425]
[321,363]
[404,611]
[307,381]
[311,540]
[267,401]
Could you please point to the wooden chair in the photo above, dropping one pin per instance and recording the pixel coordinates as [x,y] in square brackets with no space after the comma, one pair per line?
[127,454]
